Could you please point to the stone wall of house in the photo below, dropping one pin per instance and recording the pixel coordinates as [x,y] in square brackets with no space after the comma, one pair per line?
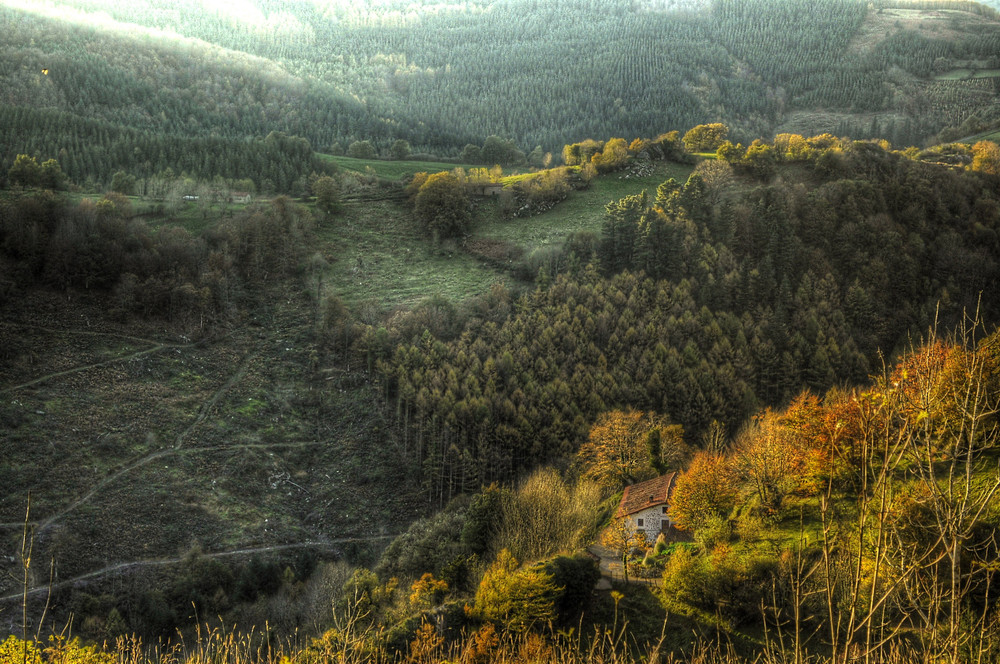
[654,520]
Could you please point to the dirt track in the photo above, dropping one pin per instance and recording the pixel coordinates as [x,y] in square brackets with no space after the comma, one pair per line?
[217,489]
[124,567]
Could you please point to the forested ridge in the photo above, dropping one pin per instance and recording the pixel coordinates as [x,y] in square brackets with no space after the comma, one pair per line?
[444,75]
[706,312]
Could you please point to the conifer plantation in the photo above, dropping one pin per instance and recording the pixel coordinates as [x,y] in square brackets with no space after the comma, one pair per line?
[361,332]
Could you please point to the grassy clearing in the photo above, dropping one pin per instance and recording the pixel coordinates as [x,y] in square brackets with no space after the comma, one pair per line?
[582,211]
[400,170]
[379,254]
[990,135]
[966,74]
[391,170]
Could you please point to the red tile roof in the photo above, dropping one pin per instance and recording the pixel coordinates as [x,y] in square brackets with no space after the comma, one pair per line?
[643,495]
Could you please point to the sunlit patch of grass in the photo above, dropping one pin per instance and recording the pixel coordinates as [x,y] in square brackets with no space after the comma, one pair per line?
[391,170]
[379,253]
[581,211]
[965,74]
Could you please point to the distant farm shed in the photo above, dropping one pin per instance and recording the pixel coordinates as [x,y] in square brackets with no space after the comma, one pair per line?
[487,189]
[645,505]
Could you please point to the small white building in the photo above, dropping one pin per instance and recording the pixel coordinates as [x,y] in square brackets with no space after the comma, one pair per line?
[645,505]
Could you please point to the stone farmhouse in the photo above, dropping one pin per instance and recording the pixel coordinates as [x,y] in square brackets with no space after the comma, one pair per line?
[645,505]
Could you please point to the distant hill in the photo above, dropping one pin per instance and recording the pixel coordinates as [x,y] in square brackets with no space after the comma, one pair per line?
[444,74]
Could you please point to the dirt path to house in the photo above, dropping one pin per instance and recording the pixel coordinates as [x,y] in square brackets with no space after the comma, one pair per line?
[611,566]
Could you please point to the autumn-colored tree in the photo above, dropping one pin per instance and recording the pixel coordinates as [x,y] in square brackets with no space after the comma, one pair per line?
[808,427]
[792,147]
[708,487]
[613,156]
[705,137]
[546,514]
[428,591]
[481,646]
[413,186]
[426,647]
[13,649]
[627,446]
[730,153]
[986,158]
[761,159]
[622,537]
[767,459]
[516,598]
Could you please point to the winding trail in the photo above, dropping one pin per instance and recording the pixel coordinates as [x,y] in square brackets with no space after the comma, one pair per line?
[162,562]
[203,412]
[94,333]
[157,346]
[87,367]
[178,446]
[211,403]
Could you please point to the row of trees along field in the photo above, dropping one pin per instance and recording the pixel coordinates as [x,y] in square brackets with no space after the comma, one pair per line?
[701,303]
[337,74]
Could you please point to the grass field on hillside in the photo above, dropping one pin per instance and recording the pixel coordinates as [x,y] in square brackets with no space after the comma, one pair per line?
[391,170]
[963,74]
[582,211]
[378,254]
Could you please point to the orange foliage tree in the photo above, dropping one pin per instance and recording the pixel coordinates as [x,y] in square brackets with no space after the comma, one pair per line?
[708,488]
[767,458]
[625,540]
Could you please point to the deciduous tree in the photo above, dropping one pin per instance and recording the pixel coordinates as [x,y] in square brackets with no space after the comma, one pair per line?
[708,487]
[361,150]
[986,158]
[442,206]
[25,171]
[516,598]
[705,137]
[400,150]
[327,193]
[626,446]
[622,537]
